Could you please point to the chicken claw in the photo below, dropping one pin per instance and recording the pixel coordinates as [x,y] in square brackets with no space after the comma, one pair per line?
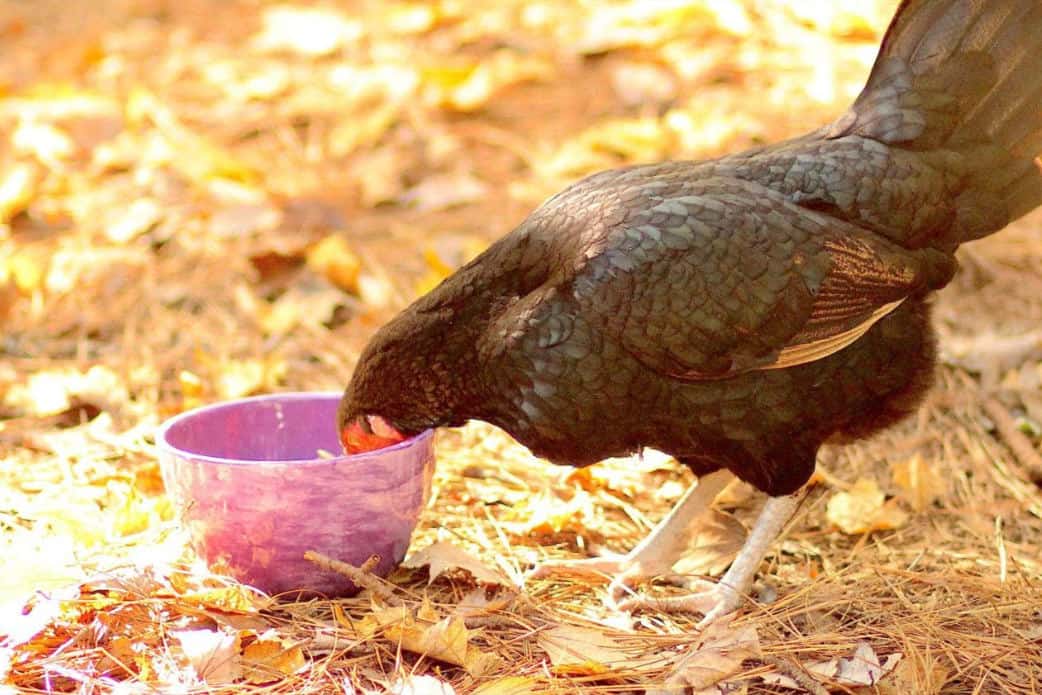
[717,599]
[714,601]
[656,554]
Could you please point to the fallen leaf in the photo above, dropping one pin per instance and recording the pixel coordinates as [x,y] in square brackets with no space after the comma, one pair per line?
[138,513]
[22,622]
[382,182]
[583,651]
[54,391]
[445,256]
[863,508]
[307,31]
[362,130]
[445,640]
[140,217]
[851,20]
[444,556]
[444,191]
[376,291]
[48,143]
[476,603]
[27,269]
[647,24]
[425,632]
[412,17]
[863,668]
[639,84]
[244,219]
[920,483]
[213,654]
[235,598]
[924,673]
[192,154]
[233,378]
[17,188]
[310,301]
[469,86]
[333,259]
[713,545]
[268,660]
[717,653]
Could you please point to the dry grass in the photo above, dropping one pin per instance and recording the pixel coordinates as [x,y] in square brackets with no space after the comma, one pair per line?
[107,334]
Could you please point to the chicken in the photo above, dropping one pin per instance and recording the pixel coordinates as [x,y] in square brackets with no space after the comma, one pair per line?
[736,313]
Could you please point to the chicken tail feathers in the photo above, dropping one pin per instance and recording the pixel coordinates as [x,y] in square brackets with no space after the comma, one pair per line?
[963,76]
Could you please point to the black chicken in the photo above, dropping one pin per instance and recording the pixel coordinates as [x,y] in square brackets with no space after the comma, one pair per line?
[739,312]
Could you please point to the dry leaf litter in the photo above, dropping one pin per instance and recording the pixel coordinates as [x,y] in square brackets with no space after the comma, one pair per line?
[201,201]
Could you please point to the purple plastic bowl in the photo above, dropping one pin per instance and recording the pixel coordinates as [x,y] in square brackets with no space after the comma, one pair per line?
[254,495]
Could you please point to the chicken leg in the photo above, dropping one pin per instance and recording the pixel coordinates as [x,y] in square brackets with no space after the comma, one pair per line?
[657,553]
[720,598]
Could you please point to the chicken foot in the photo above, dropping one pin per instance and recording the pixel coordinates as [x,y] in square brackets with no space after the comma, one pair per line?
[657,553]
[723,597]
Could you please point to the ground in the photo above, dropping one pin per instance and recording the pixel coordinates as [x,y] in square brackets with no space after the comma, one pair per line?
[201,200]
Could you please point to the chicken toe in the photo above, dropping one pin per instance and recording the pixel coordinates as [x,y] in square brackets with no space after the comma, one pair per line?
[721,598]
[657,553]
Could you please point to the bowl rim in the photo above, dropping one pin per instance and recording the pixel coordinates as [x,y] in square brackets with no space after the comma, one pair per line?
[163,445]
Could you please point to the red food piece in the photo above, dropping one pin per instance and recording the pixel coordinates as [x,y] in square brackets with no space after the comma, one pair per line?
[368,433]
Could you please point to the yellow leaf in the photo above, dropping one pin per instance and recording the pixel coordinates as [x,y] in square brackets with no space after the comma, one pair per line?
[583,651]
[239,378]
[309,31]
[445,257]
[481,664]
[48,143]
[447,76]
[135,515]
[445,640]
[547,513]
[469,86]
[340,617]
[363,130]
[412,17]
[851,19]
[920,483]
[192,154]
[863,508]
[234,598]
[133,221]
[391,615]
[333,259]
[28,271]
[265,661]
[17,188]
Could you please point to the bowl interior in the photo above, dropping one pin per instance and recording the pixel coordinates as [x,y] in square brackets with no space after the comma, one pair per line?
[279,427]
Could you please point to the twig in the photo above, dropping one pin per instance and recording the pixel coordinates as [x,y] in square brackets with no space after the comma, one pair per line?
[793,671]
[491,615]
[362,576]
[1019,444]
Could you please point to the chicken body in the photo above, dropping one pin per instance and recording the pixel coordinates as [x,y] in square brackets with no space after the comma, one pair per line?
[737,313]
